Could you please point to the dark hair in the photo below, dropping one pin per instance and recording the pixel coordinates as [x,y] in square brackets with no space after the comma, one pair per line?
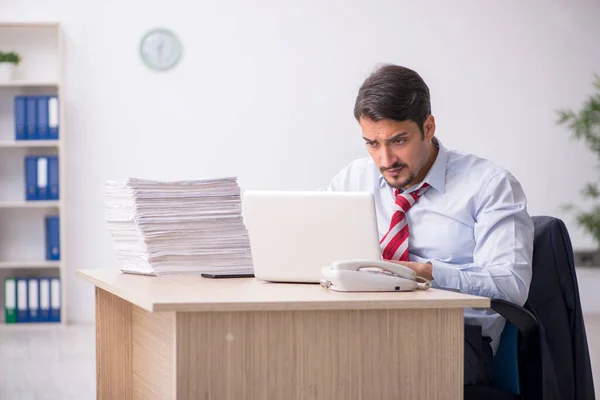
[393,92]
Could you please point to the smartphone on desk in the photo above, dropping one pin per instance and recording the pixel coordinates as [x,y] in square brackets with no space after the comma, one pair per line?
[218,275]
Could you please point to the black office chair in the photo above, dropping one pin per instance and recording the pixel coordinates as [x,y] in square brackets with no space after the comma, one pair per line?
[551,341]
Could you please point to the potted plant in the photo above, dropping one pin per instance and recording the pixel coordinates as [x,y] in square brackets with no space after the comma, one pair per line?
[584,124]
[8,64]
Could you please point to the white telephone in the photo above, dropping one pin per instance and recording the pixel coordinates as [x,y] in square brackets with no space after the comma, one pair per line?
[371,276]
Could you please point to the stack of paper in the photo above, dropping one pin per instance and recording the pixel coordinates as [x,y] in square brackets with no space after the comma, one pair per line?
[161,228]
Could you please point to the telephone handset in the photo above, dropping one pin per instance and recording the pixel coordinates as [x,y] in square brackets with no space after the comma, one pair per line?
[364,275]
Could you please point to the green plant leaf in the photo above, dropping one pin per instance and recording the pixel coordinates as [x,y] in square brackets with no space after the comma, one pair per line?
[590,221]
[597,81]
[590,191]
[565,116]
[584,125]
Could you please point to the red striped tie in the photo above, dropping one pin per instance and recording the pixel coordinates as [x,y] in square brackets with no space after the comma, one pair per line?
[394,244]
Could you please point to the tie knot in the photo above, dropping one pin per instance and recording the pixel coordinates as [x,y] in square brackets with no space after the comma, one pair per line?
[404,201]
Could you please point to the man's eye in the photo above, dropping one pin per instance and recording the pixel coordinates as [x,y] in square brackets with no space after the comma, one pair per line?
[371,144]
[399,141]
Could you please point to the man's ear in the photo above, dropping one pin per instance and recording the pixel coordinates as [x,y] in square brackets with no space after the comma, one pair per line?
[429,127]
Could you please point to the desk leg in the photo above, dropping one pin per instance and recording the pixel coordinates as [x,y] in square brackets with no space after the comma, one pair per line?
[113,346]
[349,354]
[134,350]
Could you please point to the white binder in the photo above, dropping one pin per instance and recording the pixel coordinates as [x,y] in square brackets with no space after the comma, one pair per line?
[44,300]
[33,300]
[55,300]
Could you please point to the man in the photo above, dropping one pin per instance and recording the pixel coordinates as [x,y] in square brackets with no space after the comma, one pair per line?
[454,218]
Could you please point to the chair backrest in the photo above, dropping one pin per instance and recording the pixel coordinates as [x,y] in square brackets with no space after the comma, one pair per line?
[505,365]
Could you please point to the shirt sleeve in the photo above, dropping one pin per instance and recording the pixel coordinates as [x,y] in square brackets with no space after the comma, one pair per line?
[339,182]
[503,252]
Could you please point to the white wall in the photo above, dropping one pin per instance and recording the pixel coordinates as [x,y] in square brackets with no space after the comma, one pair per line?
[266,92]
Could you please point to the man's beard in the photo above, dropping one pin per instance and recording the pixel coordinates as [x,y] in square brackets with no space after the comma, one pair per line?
[401,184]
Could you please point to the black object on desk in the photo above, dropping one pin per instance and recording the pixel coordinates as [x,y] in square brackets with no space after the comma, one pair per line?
[227,275]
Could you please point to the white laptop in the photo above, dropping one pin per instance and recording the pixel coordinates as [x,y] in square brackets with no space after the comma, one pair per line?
[294,234]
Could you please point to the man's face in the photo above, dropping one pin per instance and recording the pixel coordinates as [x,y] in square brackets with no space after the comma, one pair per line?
[399,150]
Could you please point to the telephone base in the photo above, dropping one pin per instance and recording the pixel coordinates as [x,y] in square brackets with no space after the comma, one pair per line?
[361,281]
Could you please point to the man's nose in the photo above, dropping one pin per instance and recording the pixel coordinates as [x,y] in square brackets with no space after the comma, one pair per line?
[386,157]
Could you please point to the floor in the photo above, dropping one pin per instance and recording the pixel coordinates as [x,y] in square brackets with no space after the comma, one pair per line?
[59,363]
[47,363]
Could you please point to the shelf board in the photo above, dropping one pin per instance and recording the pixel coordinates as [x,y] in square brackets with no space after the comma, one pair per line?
[30,24]
[30,325]
[30,204]
[29,143]
[19,83]
[29,264]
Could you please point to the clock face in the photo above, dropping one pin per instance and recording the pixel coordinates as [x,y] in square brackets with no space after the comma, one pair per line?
[160,49]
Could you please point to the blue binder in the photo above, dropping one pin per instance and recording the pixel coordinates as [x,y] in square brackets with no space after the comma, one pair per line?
[53,176]
[31,117]
[31,167]
[22,309]
[42,118]
[53,117]
[55,300]
[19,114]
[33,299]
[52,237]
[44,285]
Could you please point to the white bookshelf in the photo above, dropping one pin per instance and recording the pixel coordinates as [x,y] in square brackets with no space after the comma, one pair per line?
[23,83]
[22,235]
[30,204]
[26,144]
[29,264]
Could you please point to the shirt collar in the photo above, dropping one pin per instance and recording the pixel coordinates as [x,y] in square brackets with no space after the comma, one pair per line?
[436,177]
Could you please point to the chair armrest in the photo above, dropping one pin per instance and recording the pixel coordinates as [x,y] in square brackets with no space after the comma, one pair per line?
[525,321]
[528,346]
[527,325]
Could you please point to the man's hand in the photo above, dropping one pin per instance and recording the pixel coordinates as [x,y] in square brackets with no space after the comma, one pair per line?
[424,270]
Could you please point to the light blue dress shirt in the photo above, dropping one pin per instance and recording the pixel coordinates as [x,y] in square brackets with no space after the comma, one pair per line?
[472,225]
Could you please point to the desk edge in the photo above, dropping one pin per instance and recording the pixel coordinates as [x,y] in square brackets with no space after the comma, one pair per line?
[146,305]
[359,304]
[316,306]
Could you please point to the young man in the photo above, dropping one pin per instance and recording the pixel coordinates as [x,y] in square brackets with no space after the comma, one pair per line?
[456,219]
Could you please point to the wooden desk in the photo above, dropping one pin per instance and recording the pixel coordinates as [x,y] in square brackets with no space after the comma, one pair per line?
[196,338]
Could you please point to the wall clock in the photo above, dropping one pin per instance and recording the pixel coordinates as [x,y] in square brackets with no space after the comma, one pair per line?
[160,49]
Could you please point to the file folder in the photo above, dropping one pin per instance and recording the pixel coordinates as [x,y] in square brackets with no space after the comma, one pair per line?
[53,117]
[33,303]
[19,114]
[10,301]
[31,170]
[55,300]
[31,117]
[22,314]
[44,300]
[42,117]
[52,237]
[42,178]
[53,176]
